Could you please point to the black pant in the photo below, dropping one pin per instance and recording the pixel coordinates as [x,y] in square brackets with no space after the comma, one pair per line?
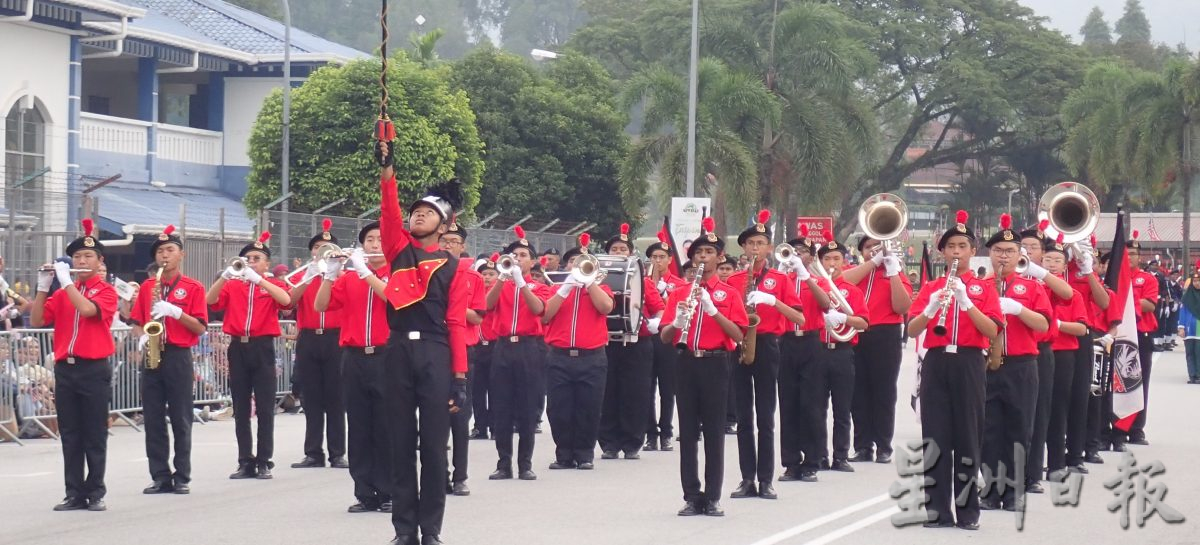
[460,423]
[82,391]
[252,372]
[319,360]
[418,380]
[703,383]
[1041,413]
[167,391]
[1082,404]
[479,360]
[1060,409]
[1008,419]
[795,371]
[575,388]
[627,395]
[1146,353]
[514,398]
[876,369]
[952,401]
[664,376]
[370,442]
[755,386]
[832,379]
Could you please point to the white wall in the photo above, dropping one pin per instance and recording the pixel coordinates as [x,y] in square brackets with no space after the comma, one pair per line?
[243,99]
[36,62]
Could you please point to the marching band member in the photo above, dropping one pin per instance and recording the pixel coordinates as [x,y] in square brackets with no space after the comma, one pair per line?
[515,393]
[775,301]
[479,355]
[167,391]
[799,348]
[708,320]
[453,241]
[1071,321]
[660,432]
[319,364]
[363,337]
[877,354]
[81,313]
[952,375]
[831,377]
[1083,419]
[576,331]
[628,390]
[251,304]
[1012,388]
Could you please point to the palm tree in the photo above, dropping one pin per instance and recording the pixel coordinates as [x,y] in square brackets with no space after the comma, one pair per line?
[424,46]
[1092,113]
[728,103]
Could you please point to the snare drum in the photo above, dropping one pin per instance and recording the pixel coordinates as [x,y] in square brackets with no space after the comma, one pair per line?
[626,278]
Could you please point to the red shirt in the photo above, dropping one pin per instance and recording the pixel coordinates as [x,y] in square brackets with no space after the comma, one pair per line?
[476,298]
[858,304]
[671,280]
[249,310]
[814,315]
[1145,286]
[75,335]
[363,312]
[578,324]
[1106,316]
[523,322]
[181,291]
[486,331]
[877,292]
[771,321]
[704,333]
[1020,339]
[307,316]
[652,304]
[1067,310]
[1096,317]
[960,331]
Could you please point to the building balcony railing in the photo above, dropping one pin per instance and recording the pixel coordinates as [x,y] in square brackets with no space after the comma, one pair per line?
[131,136]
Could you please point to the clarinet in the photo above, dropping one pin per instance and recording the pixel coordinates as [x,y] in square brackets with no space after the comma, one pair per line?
[947,295]
[692,301]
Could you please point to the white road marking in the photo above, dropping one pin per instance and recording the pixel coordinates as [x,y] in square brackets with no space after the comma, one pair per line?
[851,528]
[23,475]
[820,521]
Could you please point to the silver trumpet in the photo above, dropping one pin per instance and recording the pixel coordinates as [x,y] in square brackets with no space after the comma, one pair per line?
[506,265]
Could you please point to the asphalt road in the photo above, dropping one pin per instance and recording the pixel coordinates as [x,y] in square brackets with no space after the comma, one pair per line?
[628,502]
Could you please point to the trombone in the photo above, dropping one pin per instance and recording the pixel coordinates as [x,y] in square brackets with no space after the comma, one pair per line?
[50,268]
[844,332]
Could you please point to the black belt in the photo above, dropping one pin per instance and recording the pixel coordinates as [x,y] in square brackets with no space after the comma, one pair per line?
[837,346]
[806,333]
[72,360]
[321,331]
[706,353]
[485,343]
[365,350]
[575,352]
[517,338]
[418,336]
[247,338]
[174,347]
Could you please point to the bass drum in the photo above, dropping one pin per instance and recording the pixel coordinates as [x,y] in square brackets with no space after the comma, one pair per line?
[626,278]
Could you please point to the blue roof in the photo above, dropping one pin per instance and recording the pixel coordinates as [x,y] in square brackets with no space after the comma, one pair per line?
[230,26]
[130,203]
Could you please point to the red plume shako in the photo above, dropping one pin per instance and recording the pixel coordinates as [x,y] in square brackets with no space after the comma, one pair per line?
[521,242]
[760,228]
[707,238]
[259,245]
[1133,241]
[959,229]
[802,240]
[1005,234]
[167,236]
[455,229]
[664,244]
[830,245]
[323,236]
[623,236]
[1057,245]
[88,241]
[585,239]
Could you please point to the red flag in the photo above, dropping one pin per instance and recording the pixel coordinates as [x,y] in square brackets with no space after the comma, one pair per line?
[675,266]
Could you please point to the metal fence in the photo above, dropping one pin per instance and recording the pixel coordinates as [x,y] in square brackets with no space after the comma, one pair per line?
[27,376]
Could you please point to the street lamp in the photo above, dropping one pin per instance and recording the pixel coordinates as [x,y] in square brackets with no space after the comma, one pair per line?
[693,83]
[1011,192]
[287,114]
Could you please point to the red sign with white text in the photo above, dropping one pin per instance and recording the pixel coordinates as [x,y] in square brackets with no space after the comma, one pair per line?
[816,227]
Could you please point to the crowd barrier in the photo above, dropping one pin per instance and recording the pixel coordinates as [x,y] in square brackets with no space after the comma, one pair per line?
[27,376]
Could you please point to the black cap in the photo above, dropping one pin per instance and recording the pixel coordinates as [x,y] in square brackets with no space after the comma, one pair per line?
[707,238]
[521,242]
[456,229]
[1006,233]
[167,236]
[623,236]
[485,264]
[802,241]
[1054,245]
[86,242]
[831,245]
[362,233]
[259,245]
[584,240]
[959,229]
[1133,242]
[861,241]
[323,236]
[758,229]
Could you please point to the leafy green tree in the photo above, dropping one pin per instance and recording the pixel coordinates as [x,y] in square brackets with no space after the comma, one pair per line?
[1133,42]
[1097,36]
[332,120]
[1092,115]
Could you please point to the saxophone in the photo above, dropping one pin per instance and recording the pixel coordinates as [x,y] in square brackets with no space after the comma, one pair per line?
[692,301]
[995,356]
[154,328]
[750,342]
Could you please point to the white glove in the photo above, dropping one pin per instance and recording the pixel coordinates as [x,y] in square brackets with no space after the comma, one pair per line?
[683,315]
[3,284]
[835,318]
[1033,270]
[63,272]
[251,275]
[142,342]
[662,286]
[13,313]
[706,303]
[358,262]
[759,298]
[162,309]
[519,279]
[333,269]
[877,259]
[960,295]
[567,286]
[1085,260]
[44,279]
[652,325]
[891,265]
[935,304]
[230,273]
[1011,306]
[578,278]
[797,265]
[1107,341]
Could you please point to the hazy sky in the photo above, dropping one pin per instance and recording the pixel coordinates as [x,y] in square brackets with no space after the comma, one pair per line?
[1170,20]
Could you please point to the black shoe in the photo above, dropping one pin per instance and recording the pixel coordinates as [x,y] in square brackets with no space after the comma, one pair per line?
[308,461]
[264,471]
[538,428]
[244,471]
[744,490]
[936,524]
[651,443]
[339,462]
[972,526]
[883,458]
[527,475]
[562,465]
[1093,458]
[183,488]
[460,489]
[863,455]
[713,509]
[691,509]
[665,445]
[841,465]
[790,474]
[1079,469]
[430,540]
[1034,488]
[449,488]
[159,487]
[1193,381]
[1058,475]
[808,476]
[385,507]
[824,465]
[586,466]
[71,504]
[478,434]
[632,455]
[1010,506]
[404,540]
[500,475]
[989,504]
[362,507]
[1136,441]
[97,505]
[766,491]
[730,429]
[608,455]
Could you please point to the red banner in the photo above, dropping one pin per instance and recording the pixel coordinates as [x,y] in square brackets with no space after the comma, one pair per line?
[817,225]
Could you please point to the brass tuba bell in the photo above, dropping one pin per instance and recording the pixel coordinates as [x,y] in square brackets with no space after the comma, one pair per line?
[883,217]
[1072,210]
